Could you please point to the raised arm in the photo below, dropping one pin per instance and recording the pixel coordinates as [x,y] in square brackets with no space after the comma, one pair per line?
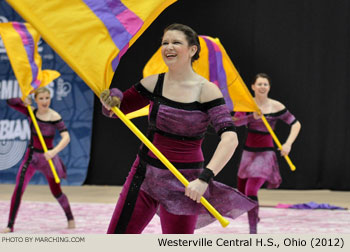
[19,105]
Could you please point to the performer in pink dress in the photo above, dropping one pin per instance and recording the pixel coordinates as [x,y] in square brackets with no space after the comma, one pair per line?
[182,105]
[35,159]
[259,161]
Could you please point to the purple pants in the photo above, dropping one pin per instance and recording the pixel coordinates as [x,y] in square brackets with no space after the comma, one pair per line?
[143,210]
[250,186]
[25,173]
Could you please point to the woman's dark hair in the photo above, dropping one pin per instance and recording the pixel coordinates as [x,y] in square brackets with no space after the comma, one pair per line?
[191,37]
[262,75]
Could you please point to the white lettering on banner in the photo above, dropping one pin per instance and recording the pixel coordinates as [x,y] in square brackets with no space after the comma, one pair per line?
[14,135]
[63,89]
[14,130]
[2,47]
[3,19]
[40,48]
[9,89]
[51,86]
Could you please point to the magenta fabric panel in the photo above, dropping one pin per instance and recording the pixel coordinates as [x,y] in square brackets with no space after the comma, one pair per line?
[178,150]
[257,140]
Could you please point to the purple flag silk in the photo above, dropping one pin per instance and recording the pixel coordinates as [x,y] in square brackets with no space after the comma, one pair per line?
[121,23]
[311,205]
[217,72]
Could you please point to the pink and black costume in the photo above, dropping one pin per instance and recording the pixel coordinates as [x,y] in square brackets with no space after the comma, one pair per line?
[177,130]
[34,160]
[259,161]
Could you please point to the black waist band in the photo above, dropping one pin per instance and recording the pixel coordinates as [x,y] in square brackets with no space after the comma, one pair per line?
[258,149]
[40,150]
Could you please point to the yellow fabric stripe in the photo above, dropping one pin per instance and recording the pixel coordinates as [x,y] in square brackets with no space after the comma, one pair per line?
[142,10]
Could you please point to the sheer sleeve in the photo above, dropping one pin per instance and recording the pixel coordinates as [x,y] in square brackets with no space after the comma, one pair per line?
[287,117]
[220,116]
[60,126]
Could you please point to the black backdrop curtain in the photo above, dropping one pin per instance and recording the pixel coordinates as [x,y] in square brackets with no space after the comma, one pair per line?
[304,45]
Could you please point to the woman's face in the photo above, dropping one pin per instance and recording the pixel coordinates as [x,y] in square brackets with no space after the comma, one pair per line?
[43,100]
[261,86]
[175,49]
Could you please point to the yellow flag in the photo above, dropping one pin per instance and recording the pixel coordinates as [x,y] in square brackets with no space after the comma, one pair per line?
[90,35]
[21,44]
[138,113]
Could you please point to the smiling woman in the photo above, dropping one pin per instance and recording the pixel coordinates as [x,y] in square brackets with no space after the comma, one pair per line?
[182,105]
[35,159]
[178,37]
[259,162]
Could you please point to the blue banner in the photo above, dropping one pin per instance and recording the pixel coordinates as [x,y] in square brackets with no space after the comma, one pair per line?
[71,97]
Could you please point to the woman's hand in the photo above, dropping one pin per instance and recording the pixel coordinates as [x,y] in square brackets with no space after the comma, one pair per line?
[27,101]
[285,149]
[109,101]
[256,116]
[196,189]
[50,154]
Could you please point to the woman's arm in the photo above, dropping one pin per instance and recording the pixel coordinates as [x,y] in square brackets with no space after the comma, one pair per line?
[19,105]
[223,152]
[288,118]
[294,132]
[221,118]
[65,139]
[222,155]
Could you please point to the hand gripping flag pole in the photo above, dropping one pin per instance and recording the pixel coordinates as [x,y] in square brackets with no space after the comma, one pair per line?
[224,222]
[43,144]
[291,165]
